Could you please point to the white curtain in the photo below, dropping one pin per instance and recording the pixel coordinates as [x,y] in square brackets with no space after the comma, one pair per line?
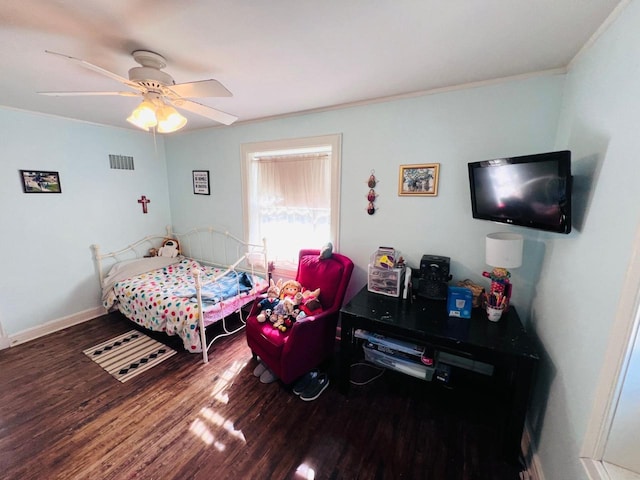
[291,203]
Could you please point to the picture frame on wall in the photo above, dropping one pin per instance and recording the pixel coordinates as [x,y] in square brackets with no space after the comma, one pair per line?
[419,180]
[40,181]
[201,182]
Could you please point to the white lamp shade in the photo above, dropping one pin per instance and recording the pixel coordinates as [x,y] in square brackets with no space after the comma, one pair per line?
[144,116]
[504,249]
[169,120]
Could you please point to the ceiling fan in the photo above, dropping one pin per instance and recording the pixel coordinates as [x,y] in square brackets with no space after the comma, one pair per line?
[159,93]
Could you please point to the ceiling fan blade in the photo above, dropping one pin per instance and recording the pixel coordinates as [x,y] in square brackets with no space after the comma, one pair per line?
[205,111]
[75,94]
[202,88]
[100,70]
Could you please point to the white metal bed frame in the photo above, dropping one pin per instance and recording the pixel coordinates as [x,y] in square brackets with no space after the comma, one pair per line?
[199,244]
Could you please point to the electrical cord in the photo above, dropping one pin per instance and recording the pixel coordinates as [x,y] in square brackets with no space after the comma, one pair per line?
[380,369]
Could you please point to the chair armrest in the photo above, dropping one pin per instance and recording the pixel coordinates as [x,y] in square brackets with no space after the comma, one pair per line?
[315,332]
[320,316]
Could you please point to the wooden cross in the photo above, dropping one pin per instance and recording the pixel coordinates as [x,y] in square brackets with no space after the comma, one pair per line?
[144,200]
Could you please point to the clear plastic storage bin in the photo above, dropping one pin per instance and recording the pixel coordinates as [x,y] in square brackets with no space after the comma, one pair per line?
[384,276]
[387,281]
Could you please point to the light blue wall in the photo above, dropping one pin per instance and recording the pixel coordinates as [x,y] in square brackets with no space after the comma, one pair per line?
[582,275]
[566,289]
[47,268]
[451,129]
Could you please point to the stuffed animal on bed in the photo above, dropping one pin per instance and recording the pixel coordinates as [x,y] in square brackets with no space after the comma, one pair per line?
[169,249]
[268,304]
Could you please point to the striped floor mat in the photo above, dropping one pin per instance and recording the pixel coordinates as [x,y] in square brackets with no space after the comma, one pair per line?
[129,354]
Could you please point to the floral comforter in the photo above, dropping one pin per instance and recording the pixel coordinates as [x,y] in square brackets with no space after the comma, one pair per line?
[164,299]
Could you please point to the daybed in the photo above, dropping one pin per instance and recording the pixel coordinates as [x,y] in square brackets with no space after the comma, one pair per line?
[214,276]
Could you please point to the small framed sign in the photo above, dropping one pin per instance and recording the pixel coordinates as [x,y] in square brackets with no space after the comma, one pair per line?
[201,182]
[38,181]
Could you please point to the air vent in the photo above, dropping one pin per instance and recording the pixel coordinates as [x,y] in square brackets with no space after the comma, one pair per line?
[121,162]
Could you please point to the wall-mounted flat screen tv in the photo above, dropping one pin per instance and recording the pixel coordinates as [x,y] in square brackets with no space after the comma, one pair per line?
[531,191]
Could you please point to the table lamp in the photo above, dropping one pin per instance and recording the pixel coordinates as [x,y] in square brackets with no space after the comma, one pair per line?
[503,251]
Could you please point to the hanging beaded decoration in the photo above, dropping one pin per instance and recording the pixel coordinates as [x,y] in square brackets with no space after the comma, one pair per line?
[371,196]
[372,180]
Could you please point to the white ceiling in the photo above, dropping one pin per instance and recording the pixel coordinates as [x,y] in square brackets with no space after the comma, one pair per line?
[282,56]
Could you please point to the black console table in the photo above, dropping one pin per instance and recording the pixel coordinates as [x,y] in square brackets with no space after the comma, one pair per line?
[505,344]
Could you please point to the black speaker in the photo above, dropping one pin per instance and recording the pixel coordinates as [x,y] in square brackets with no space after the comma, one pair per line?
[435,267]
[433,290]
[432,279]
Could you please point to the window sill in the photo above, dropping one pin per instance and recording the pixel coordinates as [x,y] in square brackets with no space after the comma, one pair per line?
[284,270]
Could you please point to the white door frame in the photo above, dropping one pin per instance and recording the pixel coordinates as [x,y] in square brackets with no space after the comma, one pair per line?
[615,364]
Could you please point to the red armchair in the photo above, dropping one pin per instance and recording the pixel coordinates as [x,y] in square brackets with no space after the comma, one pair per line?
[310,340]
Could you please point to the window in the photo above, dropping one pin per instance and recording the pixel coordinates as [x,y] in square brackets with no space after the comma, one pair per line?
[292,195]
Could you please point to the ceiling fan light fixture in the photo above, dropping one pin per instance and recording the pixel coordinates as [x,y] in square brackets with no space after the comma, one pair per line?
[158,90]
[144,116]
[169,120]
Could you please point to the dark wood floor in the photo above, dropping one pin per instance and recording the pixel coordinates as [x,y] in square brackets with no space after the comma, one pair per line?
[63,417]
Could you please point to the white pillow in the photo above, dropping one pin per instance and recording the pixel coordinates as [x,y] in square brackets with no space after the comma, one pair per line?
[131,268]
[145,264]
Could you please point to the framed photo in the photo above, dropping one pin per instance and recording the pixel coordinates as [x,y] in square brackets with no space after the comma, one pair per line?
[38,181]
[419,180]
[201,182]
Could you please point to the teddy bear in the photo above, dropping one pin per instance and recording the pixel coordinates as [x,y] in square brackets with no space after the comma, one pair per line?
[268,304]
[169,249]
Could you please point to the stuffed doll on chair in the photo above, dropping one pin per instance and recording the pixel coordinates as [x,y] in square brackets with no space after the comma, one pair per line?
[289,289]
[268,304]
[286,312]
[310,304]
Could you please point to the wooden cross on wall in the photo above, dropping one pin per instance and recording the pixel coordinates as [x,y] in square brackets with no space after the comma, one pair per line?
[144,200]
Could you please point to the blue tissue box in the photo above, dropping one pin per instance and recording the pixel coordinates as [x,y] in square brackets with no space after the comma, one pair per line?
[459,302]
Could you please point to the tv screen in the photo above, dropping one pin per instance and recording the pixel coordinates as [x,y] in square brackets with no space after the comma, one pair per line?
[531,191]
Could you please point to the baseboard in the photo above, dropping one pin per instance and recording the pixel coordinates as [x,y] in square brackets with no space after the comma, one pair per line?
[53,326]
[531,459]
[5,342]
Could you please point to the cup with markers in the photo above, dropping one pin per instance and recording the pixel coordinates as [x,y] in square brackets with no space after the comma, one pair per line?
[496,303]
